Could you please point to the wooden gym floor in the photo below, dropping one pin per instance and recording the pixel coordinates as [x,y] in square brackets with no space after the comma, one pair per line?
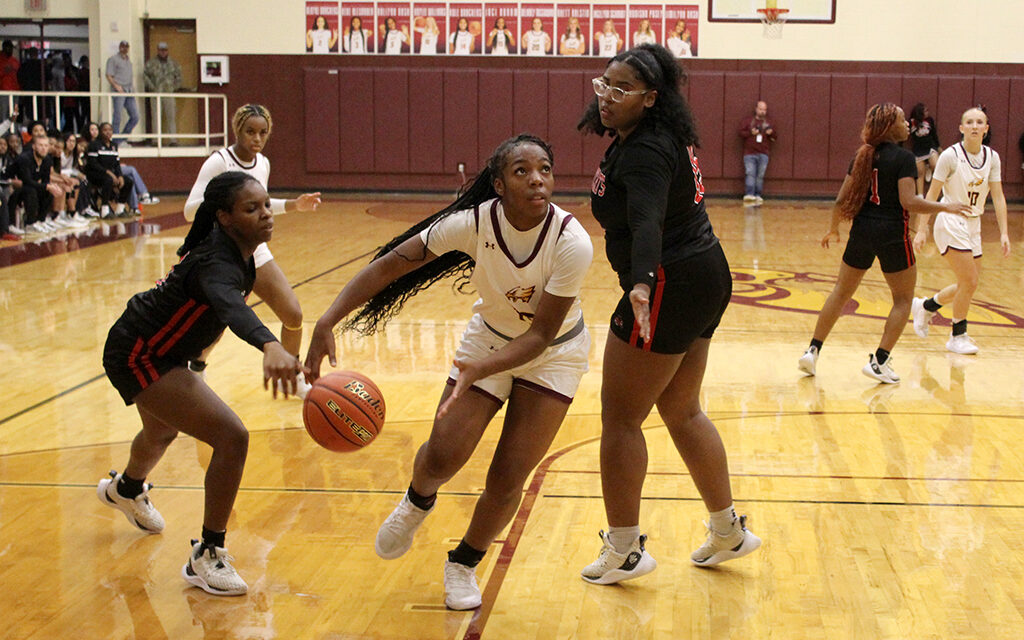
[886,511]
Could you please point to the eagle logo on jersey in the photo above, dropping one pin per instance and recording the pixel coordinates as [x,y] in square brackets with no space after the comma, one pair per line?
[976,183]
[521,294]
[597,188]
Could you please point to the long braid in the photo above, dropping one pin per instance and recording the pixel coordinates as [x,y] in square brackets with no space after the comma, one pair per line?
[219,196]
[877,129]
[373,315]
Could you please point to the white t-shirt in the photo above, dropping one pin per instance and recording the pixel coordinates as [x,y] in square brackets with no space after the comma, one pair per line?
[536,42]
[965,178]
[644,38]
[500,47]
[680,48]
[607,44]
[222,161]
[321,40]
[428,42]
[393,41]
[462,41]
[513,267]
[355,41]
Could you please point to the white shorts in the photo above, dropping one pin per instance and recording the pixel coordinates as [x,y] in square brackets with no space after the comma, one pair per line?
[556,371]
[262,255]
[954,231]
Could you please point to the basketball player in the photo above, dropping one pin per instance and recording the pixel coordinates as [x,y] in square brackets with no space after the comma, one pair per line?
[321,39]
[356,39]
[644,34]
[251,124]
[536,41]
[462,42]
[965,174]
[145,357]
[393,38]
[526,342]
[678,41]
[428,35]
[573,41]
[877,195]
[608,40]
[500,41]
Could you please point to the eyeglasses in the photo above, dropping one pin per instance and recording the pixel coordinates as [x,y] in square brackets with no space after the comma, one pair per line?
[614,94]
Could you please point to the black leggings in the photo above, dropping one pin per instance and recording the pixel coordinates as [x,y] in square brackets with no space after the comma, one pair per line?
[108,192]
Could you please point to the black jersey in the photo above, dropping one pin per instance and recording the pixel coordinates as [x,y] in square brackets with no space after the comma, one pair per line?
[203,294]
[924,137]
[649,198]
[890,163]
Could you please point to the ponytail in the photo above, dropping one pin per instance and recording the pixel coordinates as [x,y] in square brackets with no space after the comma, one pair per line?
[877,129]
[219,196]
[373,315]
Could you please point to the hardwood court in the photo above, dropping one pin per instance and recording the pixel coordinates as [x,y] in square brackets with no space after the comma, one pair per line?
[886,511]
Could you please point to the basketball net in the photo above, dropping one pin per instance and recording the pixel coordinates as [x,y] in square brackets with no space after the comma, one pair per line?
[773,20]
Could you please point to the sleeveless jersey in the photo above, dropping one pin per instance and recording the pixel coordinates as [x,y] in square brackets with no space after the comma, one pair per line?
[608,44]
[571,41]
[428,42]
[462,41]
[644,38]
[222,161]
[680,48]
[965,177]
[535,42]
[321,40]
[514,267]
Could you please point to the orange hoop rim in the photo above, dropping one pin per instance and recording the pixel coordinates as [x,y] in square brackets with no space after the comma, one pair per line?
[773,15]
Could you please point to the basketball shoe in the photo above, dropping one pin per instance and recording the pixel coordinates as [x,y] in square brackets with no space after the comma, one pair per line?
[921,317]
[139,510]
[809,361]
[461,591]
[719,547]
[395,535]
[612,566]
[962,344]
[209,568]
[881,372]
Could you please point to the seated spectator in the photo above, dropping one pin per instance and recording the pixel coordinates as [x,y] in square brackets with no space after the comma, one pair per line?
[8,229]
[103,169]
[79,200]
[40,199]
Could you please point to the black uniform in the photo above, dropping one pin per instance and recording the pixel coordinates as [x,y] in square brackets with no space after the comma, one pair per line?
[175,321]
[34,178]
[100,158]
[924,138]
[649,198]
[882,227]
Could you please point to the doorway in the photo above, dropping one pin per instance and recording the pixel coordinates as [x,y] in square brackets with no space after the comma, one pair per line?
[180,37]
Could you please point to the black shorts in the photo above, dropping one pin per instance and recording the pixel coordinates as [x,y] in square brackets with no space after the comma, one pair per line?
[131,364]
[889,240]
[687,303]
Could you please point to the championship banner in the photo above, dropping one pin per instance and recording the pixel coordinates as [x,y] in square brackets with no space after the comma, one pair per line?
[501,28]
[322,27]
[357,25]
[681,23]
[393,34]
[572,23]
[465,23]
[429,27]
[537,24]
[645,24]
[609,30]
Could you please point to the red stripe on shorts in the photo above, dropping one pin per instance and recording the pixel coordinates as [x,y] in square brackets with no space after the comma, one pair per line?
[133,365]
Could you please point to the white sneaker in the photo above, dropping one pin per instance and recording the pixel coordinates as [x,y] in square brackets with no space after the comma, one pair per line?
[758,200]
[719,548]
[749,198]
[612,566]
[808,362]
[18,231]
[921,317]
[881,372]
[209,568]
[89,212]
[962,344]
[139,510]
[395,535]
[461,591]
[148,199]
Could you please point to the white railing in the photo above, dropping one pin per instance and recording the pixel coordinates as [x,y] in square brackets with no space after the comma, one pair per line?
[155,143]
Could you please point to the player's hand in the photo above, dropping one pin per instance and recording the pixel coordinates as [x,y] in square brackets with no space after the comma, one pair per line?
[640,299]
[919,239]
[1004,241]
[959,209]
[321,344]
[469,372]
[307,202]
[833,234]
[280,367]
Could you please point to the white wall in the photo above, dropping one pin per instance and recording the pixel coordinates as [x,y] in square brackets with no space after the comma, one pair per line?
[932,31]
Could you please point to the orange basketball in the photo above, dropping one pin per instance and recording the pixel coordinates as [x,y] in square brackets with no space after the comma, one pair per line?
[344,411]
[474,27]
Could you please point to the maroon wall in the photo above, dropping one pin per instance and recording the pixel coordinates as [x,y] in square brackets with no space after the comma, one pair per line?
[403,123]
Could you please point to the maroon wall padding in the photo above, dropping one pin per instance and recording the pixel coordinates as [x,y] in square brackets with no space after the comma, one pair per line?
[403,122]
[322,124]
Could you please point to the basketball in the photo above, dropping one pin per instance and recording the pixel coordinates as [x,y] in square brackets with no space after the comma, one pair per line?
[344,411]
[474,27]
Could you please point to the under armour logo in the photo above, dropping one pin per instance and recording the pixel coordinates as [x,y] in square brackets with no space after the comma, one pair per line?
[488,245]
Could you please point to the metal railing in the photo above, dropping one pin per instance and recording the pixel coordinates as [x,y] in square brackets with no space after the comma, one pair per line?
[42,105]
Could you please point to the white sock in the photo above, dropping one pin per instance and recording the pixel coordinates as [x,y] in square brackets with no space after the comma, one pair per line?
[622,537]
[721,521]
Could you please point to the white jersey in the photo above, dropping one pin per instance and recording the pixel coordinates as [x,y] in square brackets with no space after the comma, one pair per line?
[462,41]
[393,41]
[514,267]
[571,42]
[500,47]
[428,42]
[644,38]
[536,43]
[680,48]
[965,177]
[607,44]
[222,161]
[355,41]
[321,40]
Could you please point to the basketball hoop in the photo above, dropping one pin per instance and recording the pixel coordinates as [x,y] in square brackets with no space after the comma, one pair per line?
[773,20]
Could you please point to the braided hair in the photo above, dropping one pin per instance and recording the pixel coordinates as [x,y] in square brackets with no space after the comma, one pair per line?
[878,128]
[220,195]
[247,111]
[657,68]
[373,315]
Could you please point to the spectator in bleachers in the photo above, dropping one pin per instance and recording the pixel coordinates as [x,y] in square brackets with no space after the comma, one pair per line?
[103,169]
[121,79]
[9,66]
